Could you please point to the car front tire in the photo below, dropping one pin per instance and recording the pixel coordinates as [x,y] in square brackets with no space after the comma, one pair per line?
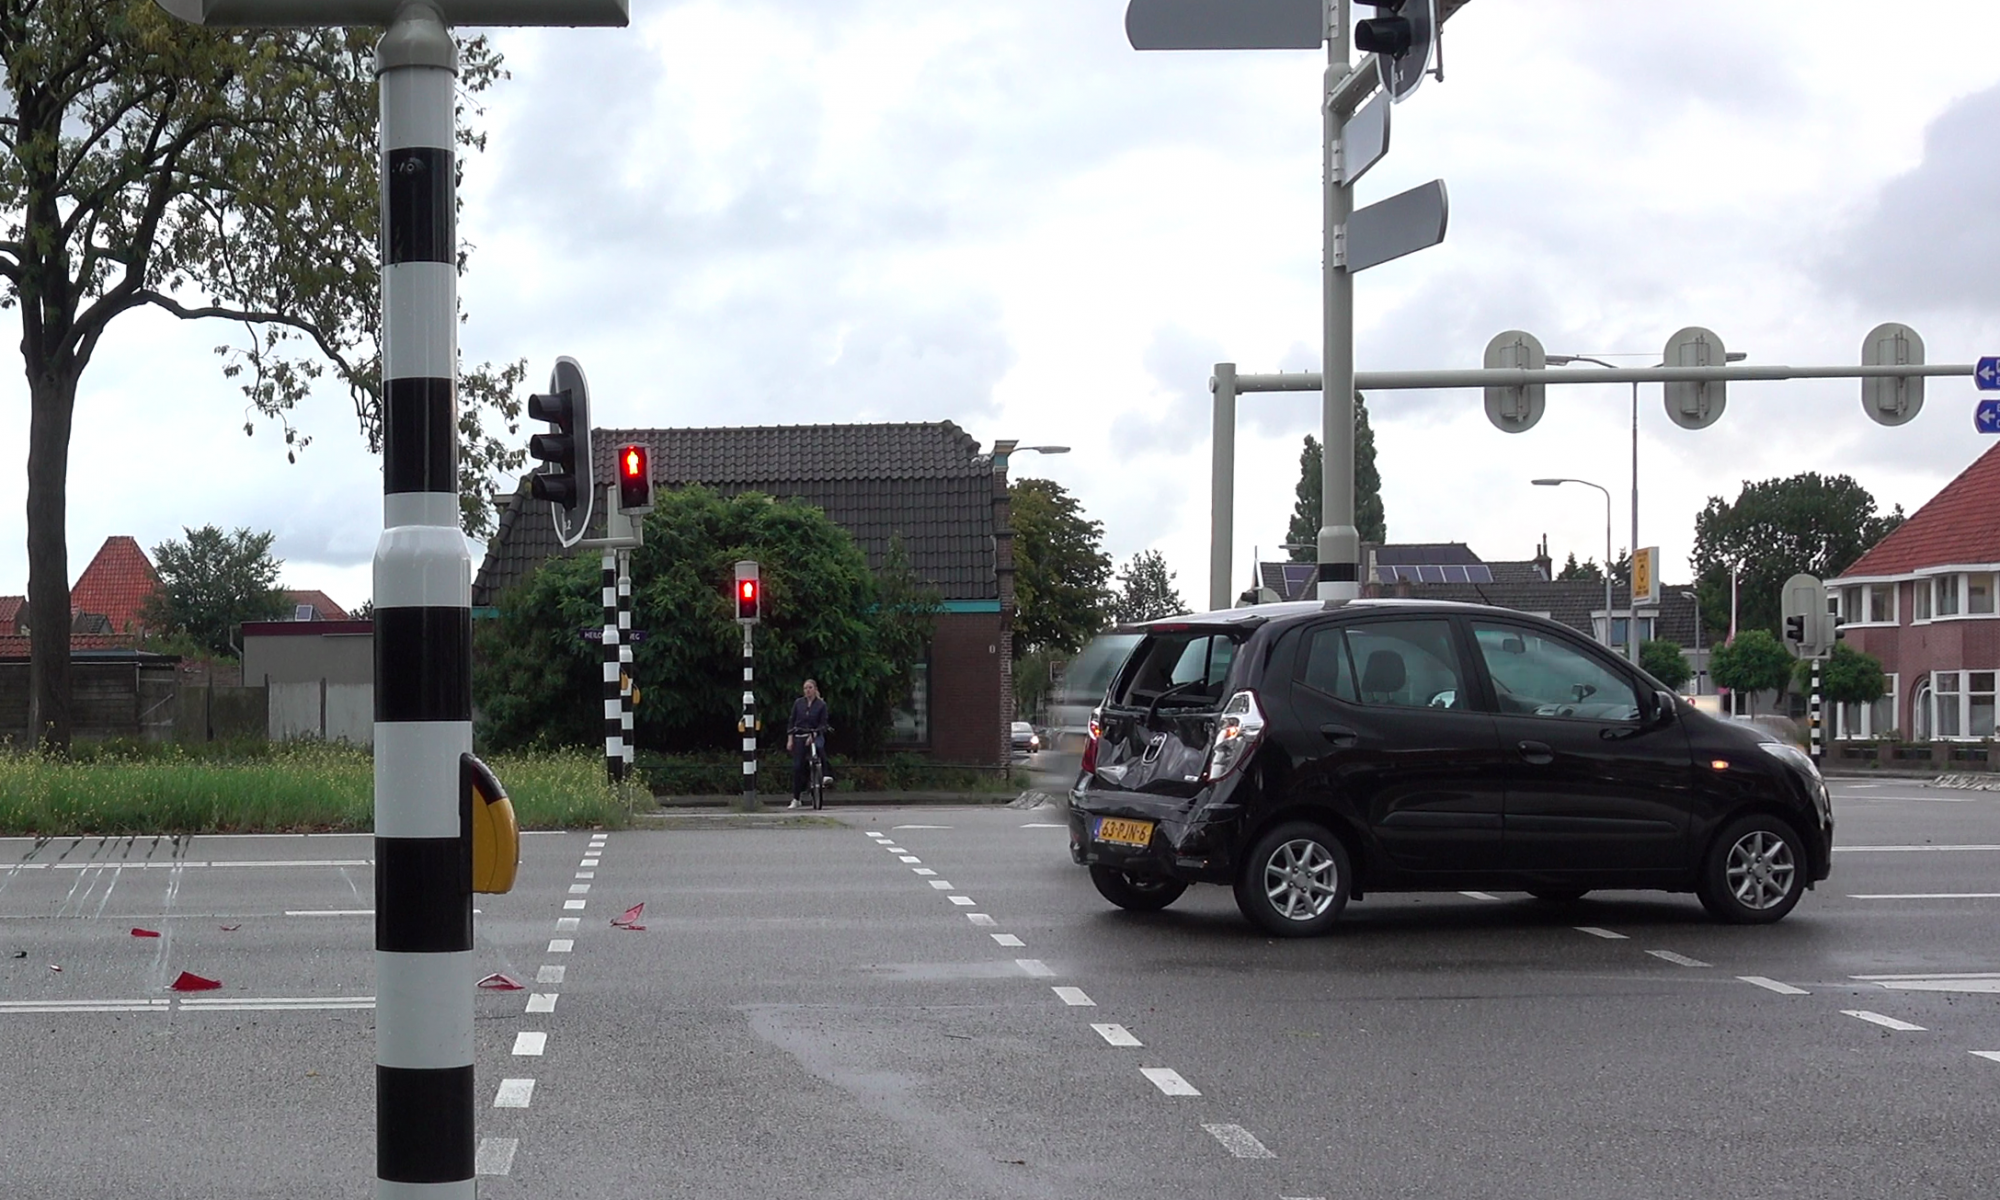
[1295,881]
[1135,893]
[1755,871]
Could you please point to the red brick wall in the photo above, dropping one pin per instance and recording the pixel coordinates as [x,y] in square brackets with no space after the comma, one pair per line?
[965,688]
[1912,652]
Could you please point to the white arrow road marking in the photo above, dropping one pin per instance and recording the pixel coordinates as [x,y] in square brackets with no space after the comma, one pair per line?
[1169,1081]
[1878,1019]
[1239,1141]
[495,1156]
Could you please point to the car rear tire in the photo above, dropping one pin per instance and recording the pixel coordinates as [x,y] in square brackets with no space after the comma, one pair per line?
[1755,871]
[1560,895]
[1135,893]
[1295,880]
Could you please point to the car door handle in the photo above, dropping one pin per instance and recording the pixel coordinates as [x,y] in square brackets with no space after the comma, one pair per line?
[1537,753]
[1340,735]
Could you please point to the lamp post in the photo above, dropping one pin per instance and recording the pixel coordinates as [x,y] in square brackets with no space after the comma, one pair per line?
[1698,664]
[1555,360]
[1607,547]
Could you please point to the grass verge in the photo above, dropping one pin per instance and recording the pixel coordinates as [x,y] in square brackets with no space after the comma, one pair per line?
[296,788]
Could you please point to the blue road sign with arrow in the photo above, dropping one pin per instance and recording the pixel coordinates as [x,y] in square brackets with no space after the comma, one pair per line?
[1986,418]
[1986,376]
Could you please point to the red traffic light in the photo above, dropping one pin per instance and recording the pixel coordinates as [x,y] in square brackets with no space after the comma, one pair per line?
[750,591]
[632,462]
[635,482]
[746,600]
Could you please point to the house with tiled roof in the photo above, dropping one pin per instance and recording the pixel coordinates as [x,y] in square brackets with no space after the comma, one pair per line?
[311,604]
[927,484]
[107,603]
[1923,601]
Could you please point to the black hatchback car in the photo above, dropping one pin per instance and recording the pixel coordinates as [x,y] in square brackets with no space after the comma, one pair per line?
[1306,754]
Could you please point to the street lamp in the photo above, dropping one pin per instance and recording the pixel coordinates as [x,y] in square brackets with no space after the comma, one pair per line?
[1557,360]
[1607,547]
[1697,639]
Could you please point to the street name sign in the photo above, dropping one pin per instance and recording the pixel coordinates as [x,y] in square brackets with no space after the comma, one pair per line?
[1986,376]
[1403,224]
[1366,139]
[595,633]
[1225,25]
[1986,418]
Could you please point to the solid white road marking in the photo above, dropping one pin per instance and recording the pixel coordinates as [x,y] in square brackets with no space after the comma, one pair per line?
[514,1093]
[550,975]
[921,827]
[961,901]
[169,864]
[567,924]
[561,945]
[1035,967]
[942,885]
[1239,1141]
[1044,825]
[495,1156]
[1117,1035]
[529,1043]
[542,1001]
[980,919]
[1895,849]
[87,1006]
[1772,985]
[275,1003]
[1473,895]
[1677,959]
[1169,1081]
[1594,931]
[1924,896]
[1879,1019]
[329,912]
[1988,1055]
[1008,939]
[1074,997]
[1986,984]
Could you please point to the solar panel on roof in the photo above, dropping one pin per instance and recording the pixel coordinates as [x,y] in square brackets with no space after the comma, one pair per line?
[1478,573]
[1453,573]
[1431,574]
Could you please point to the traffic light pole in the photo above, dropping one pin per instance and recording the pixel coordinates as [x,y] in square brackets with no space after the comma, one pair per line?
[1816,715]
[748,722]
[626,686]
[614,658]
[1339,543]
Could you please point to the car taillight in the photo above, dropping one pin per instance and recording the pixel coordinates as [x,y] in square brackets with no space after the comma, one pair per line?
[1237,733]
[1090,745]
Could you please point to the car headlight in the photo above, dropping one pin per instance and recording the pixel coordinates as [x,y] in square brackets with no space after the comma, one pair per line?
[1789,753]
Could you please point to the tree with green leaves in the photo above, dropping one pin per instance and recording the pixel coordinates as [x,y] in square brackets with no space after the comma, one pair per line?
[1755,662]
[1146,590]
[1303,533]
[224,175]
[211,583]
[1061,572]
[825,616]
[1664,661]
[1777,528]
[1589,571]
[1849,676]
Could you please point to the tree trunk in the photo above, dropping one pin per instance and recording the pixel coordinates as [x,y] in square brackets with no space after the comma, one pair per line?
[52,399]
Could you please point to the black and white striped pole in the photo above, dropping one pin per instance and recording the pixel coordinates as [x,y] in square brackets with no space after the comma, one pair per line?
[749,610]
[1816,713]
[613,690]
[626,689]
[427,786]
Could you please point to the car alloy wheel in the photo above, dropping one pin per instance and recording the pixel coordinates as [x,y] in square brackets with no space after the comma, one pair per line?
[1295,881]
[1753,874]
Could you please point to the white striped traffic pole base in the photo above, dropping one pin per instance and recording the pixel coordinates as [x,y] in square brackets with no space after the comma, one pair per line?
[614,725]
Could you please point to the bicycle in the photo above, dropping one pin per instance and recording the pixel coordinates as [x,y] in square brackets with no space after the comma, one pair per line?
[816,777]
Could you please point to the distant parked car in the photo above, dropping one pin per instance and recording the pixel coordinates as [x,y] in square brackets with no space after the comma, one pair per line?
[1026,740]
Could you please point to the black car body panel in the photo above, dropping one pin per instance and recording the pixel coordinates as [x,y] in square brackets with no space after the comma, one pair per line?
[1431,738]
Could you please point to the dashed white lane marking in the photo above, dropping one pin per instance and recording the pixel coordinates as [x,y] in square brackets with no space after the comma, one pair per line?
[586,875]
[1043,825]
[567,924]
[921,827]
[1680,960]
[942,885]
[579,889]
[1772,985]
[1906,849]
[894,849]
[980,919]
[923,870]
[329,912]
[1878,1019]
[1987,983]
[1473,895]
[1988,1055]
[495,1156]
[588,862]
[276,1003]
[550,975]
[83,1006]
[514,1093]
[874,833]
[962,901]
[561,945]
[528,1043]
[1074,997]
[1035,967]
[573,905]
[1008,939]
[1117,1035]
[1239,1141]
[909,858]
[542,1002]
[1169,1081]
[1594,931]
[1924,896]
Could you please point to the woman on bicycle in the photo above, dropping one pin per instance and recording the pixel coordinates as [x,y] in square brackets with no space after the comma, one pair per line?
[808,726]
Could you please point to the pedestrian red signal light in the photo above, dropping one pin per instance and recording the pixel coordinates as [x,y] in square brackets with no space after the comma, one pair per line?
[746,599]
[635,481]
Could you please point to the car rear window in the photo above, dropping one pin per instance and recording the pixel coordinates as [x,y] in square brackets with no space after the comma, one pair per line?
[1192,664]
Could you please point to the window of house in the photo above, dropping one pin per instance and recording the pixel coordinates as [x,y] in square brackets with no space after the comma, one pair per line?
[1874,720]
[1979,592]
[1945,604]
[1949,719]
[910,721]
[1621,627]
[1882,602]
[1920,600]
[1979,704]
[1850,604]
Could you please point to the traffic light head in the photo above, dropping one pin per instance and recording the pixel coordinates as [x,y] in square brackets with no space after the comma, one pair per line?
[1795,628]
[567,476]
[635,480]
[749,593]
[1389,36]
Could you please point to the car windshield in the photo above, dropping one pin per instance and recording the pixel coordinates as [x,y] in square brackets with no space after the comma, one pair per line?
[1180,668]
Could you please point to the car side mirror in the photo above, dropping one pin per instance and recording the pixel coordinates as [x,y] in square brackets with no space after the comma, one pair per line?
[1665,706]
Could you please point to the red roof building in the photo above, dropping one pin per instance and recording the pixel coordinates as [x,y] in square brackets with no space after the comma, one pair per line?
[116,585]
[10,614]
[322,606]
[1923,601]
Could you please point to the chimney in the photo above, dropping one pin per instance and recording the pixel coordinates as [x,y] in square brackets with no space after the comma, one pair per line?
[1543,562]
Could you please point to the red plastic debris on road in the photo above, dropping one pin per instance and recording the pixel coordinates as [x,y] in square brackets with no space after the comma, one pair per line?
[230,928]
[137,932]
[190,982]
[501,983]
[625,920]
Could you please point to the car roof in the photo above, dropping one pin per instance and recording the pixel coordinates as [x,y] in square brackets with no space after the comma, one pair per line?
[1288,611]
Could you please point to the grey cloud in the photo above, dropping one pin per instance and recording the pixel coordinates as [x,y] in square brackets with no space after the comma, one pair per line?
[1182,364]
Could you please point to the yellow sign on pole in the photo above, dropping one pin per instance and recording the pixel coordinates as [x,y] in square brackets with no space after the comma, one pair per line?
[1646,576]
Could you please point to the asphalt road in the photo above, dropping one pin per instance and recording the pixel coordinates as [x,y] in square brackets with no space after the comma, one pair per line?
[841,1009]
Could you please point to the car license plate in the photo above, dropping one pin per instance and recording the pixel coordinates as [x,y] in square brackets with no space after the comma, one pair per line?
[1125,833]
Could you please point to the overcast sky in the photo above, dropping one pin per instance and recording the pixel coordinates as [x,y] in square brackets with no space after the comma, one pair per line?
[998,213]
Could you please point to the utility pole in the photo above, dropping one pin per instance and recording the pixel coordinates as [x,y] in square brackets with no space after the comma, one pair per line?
[1339,552]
